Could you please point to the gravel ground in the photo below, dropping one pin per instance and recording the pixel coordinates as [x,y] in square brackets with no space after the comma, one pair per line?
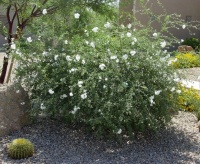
[55,143]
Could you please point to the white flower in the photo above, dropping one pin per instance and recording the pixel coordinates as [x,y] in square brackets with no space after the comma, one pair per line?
[128,34]
[29,39]
[163,44]
[84,96]
[72,70]
[151,99]
[55,57]
[22,103]
[95,29]
[107,25]
[68,58]
[104,86]
[75,110]
[44,12]
[63,96]
[184,26]
[83,62]
[119,131]
[132,52]
[106,79]
[102,66]
[71,94]
[125,56]
[178,91]
[135,39]
[76,15]
[157,92]
[78,57]
[117,60]
[13,46]
[155,34]
[182,40]
[80,83]
[66,41]
[51,91]
[17,91]
[113,57]
[42,106]
[44,53]
[129,25]
[86,42]
[92,44]
[173,89]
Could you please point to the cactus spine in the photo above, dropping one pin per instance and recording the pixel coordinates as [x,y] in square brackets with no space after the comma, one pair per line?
[20,148]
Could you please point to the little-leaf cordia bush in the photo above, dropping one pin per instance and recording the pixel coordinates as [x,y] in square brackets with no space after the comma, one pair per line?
[113,79]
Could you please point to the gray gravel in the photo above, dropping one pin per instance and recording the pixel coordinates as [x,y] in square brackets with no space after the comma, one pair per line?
[56,143]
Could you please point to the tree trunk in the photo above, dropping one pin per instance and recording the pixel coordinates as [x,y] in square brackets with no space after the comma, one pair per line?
[4,70]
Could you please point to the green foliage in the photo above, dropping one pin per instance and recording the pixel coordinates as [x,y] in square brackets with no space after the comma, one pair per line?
[187,60]
[20,148]
[193,42]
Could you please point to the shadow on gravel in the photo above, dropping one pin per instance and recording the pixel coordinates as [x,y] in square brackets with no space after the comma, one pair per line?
[57,144]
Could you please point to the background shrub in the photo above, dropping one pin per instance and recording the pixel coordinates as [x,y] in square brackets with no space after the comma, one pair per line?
[187,60]
[193,42]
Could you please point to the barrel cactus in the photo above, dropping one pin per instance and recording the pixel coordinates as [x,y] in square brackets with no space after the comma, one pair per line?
[20,148]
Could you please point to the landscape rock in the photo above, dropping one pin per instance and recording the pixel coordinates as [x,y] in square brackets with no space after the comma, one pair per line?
[14,107]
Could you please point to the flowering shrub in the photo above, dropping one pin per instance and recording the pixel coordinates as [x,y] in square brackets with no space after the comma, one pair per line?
[187,60]
[114,79]
[189,100]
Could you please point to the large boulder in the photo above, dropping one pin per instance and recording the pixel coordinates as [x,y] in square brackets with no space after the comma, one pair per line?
[14,107]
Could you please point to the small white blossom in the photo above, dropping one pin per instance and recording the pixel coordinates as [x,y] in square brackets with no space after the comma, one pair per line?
[78,57]
[68,58]
[155,34]
[66,41]
[178,91]
[163,44]
[84,96]
[104,86]
[83,62]
[75,110]
[125,56]
[135,39]
[95,29]
[22,103]
[129,25]
[157,92]
[119,131]
[107,25]
[102,66]
[132,52]
[76,15]
[63,96]
[80,83]
[113,57]
[44,53]
[173,89]
[184,26]
[128,34]
[55,57]
[44,12]
[92,44]
[17,91]
[182,40]
[42,106]
[86,42]
[151,99]
[13,46]
[106,79]
[117,60]
[71,94]
[29,39]
[51,91]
